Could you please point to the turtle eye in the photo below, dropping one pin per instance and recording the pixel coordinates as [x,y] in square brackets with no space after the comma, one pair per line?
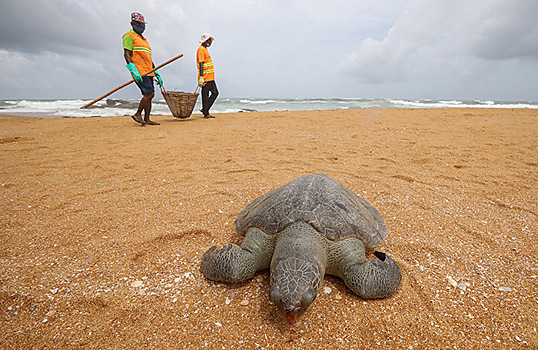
[274,294]
[308,297]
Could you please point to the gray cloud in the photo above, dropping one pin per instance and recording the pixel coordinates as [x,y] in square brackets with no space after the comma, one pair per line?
[446,47]
[508,29]
[281,48]
[57,26]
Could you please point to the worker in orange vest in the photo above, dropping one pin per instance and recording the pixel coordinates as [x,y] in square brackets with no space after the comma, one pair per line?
[206,75]
[137,53]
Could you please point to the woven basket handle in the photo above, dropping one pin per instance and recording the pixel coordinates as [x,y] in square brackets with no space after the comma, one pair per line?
[164,90]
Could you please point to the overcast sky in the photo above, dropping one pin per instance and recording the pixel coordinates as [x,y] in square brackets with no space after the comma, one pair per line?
[413,49]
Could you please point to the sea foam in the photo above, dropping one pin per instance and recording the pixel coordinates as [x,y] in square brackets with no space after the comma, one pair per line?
[115,107]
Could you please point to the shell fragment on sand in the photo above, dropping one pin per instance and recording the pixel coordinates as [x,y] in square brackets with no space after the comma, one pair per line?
[452,281]
[137,284]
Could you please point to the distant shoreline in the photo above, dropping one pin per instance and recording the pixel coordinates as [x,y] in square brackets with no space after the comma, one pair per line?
[123,107]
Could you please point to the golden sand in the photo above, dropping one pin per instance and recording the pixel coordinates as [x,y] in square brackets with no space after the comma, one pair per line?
[104,223]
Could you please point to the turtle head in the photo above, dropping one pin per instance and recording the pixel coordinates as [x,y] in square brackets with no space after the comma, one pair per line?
[294,305]
[294,287]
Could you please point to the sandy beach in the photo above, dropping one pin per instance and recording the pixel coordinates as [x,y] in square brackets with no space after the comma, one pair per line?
[104,224]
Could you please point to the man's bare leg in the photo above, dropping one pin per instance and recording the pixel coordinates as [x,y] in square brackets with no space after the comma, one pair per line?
[145,106]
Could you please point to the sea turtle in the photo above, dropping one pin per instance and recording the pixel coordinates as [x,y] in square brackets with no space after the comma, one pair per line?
[303,230]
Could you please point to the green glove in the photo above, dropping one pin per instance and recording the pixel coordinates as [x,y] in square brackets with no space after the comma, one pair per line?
[136,76]
[159,79]
[201,80]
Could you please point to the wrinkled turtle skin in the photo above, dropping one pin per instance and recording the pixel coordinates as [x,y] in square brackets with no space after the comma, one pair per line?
[301,231]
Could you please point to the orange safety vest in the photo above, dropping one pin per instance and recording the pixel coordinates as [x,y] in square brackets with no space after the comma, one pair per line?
[203,56]
[141,52]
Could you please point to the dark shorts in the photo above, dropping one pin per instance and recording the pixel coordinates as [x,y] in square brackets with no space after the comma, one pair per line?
[146,86]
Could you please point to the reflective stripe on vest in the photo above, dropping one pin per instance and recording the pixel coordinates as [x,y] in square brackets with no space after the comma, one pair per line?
[209,68]
[141,49]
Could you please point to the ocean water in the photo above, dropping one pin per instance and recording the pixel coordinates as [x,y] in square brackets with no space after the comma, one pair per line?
[115,107]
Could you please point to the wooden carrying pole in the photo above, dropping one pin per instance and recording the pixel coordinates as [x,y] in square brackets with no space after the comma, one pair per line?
[129,82]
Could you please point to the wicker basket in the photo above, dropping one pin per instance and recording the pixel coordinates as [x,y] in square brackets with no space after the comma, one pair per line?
[180,103]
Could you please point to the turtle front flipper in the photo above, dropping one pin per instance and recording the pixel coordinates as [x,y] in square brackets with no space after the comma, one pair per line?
[373,279]
[233,263]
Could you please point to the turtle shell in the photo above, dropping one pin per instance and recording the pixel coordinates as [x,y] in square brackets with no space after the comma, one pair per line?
[322,202]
